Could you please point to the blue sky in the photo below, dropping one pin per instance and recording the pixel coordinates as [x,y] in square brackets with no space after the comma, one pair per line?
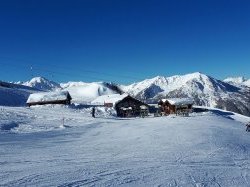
[123,41]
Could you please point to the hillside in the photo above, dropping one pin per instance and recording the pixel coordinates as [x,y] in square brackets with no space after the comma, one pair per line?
[205,149]
[14,95]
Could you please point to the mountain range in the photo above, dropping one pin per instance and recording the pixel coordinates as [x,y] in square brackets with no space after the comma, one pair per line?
[232,94]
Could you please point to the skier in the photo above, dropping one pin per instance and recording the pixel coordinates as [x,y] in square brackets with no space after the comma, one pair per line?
[93,112]
[248,127]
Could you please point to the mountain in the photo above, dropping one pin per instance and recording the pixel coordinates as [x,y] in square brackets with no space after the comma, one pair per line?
[82,92]
[232,94]
[238,81]
[14,94]
[206,91]
[41,83]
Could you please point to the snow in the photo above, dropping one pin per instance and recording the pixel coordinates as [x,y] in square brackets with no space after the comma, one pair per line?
[48,96]
[247,83]
[83,93]
[239,81]
[179,101]
[64,146]
[114,99]
[143,107]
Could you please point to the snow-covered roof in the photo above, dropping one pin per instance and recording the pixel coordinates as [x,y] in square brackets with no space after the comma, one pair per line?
[48,96]
[143,107]
[179,101]
[113,98]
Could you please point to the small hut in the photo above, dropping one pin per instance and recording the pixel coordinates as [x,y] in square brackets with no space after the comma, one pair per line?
[178,106]
[43,98]
[125,105]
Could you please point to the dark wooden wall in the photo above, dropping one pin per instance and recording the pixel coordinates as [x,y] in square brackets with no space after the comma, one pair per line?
[129,102]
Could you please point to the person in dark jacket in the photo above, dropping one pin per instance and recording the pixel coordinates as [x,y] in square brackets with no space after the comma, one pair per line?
[93,112]
[248,127]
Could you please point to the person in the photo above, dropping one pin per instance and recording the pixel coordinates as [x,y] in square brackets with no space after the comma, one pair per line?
[93,112]
[248,127]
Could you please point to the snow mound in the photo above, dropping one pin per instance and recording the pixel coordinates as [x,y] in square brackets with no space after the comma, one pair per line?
[83,93]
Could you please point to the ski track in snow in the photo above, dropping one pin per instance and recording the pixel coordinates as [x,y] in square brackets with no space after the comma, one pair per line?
[202,150]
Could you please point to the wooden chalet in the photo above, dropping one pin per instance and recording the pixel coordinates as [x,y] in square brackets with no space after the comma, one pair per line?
[125,105]
[178,106]
[43,98]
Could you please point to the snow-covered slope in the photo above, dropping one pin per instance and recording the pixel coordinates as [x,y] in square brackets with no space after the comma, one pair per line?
[82,92]
[41,83]
[13,94]
[205,90]
[205,149]
[238,81]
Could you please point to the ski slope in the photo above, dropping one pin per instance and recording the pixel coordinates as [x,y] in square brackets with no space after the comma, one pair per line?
[61,146]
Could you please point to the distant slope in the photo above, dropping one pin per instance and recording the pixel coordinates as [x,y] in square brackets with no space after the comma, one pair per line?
[238,81]
[13,94]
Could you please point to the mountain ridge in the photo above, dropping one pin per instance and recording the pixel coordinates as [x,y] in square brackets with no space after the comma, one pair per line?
[206,90]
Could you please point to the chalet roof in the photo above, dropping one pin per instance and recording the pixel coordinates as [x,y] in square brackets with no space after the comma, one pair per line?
[113,98]
[48,96]
[179,101]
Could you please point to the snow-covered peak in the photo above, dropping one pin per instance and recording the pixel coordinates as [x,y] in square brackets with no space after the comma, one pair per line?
[42,83]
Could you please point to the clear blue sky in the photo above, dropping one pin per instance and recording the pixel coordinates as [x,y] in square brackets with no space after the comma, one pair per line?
[123,40]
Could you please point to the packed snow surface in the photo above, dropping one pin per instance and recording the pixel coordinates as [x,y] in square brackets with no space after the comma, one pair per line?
[48,96]
[61,146]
